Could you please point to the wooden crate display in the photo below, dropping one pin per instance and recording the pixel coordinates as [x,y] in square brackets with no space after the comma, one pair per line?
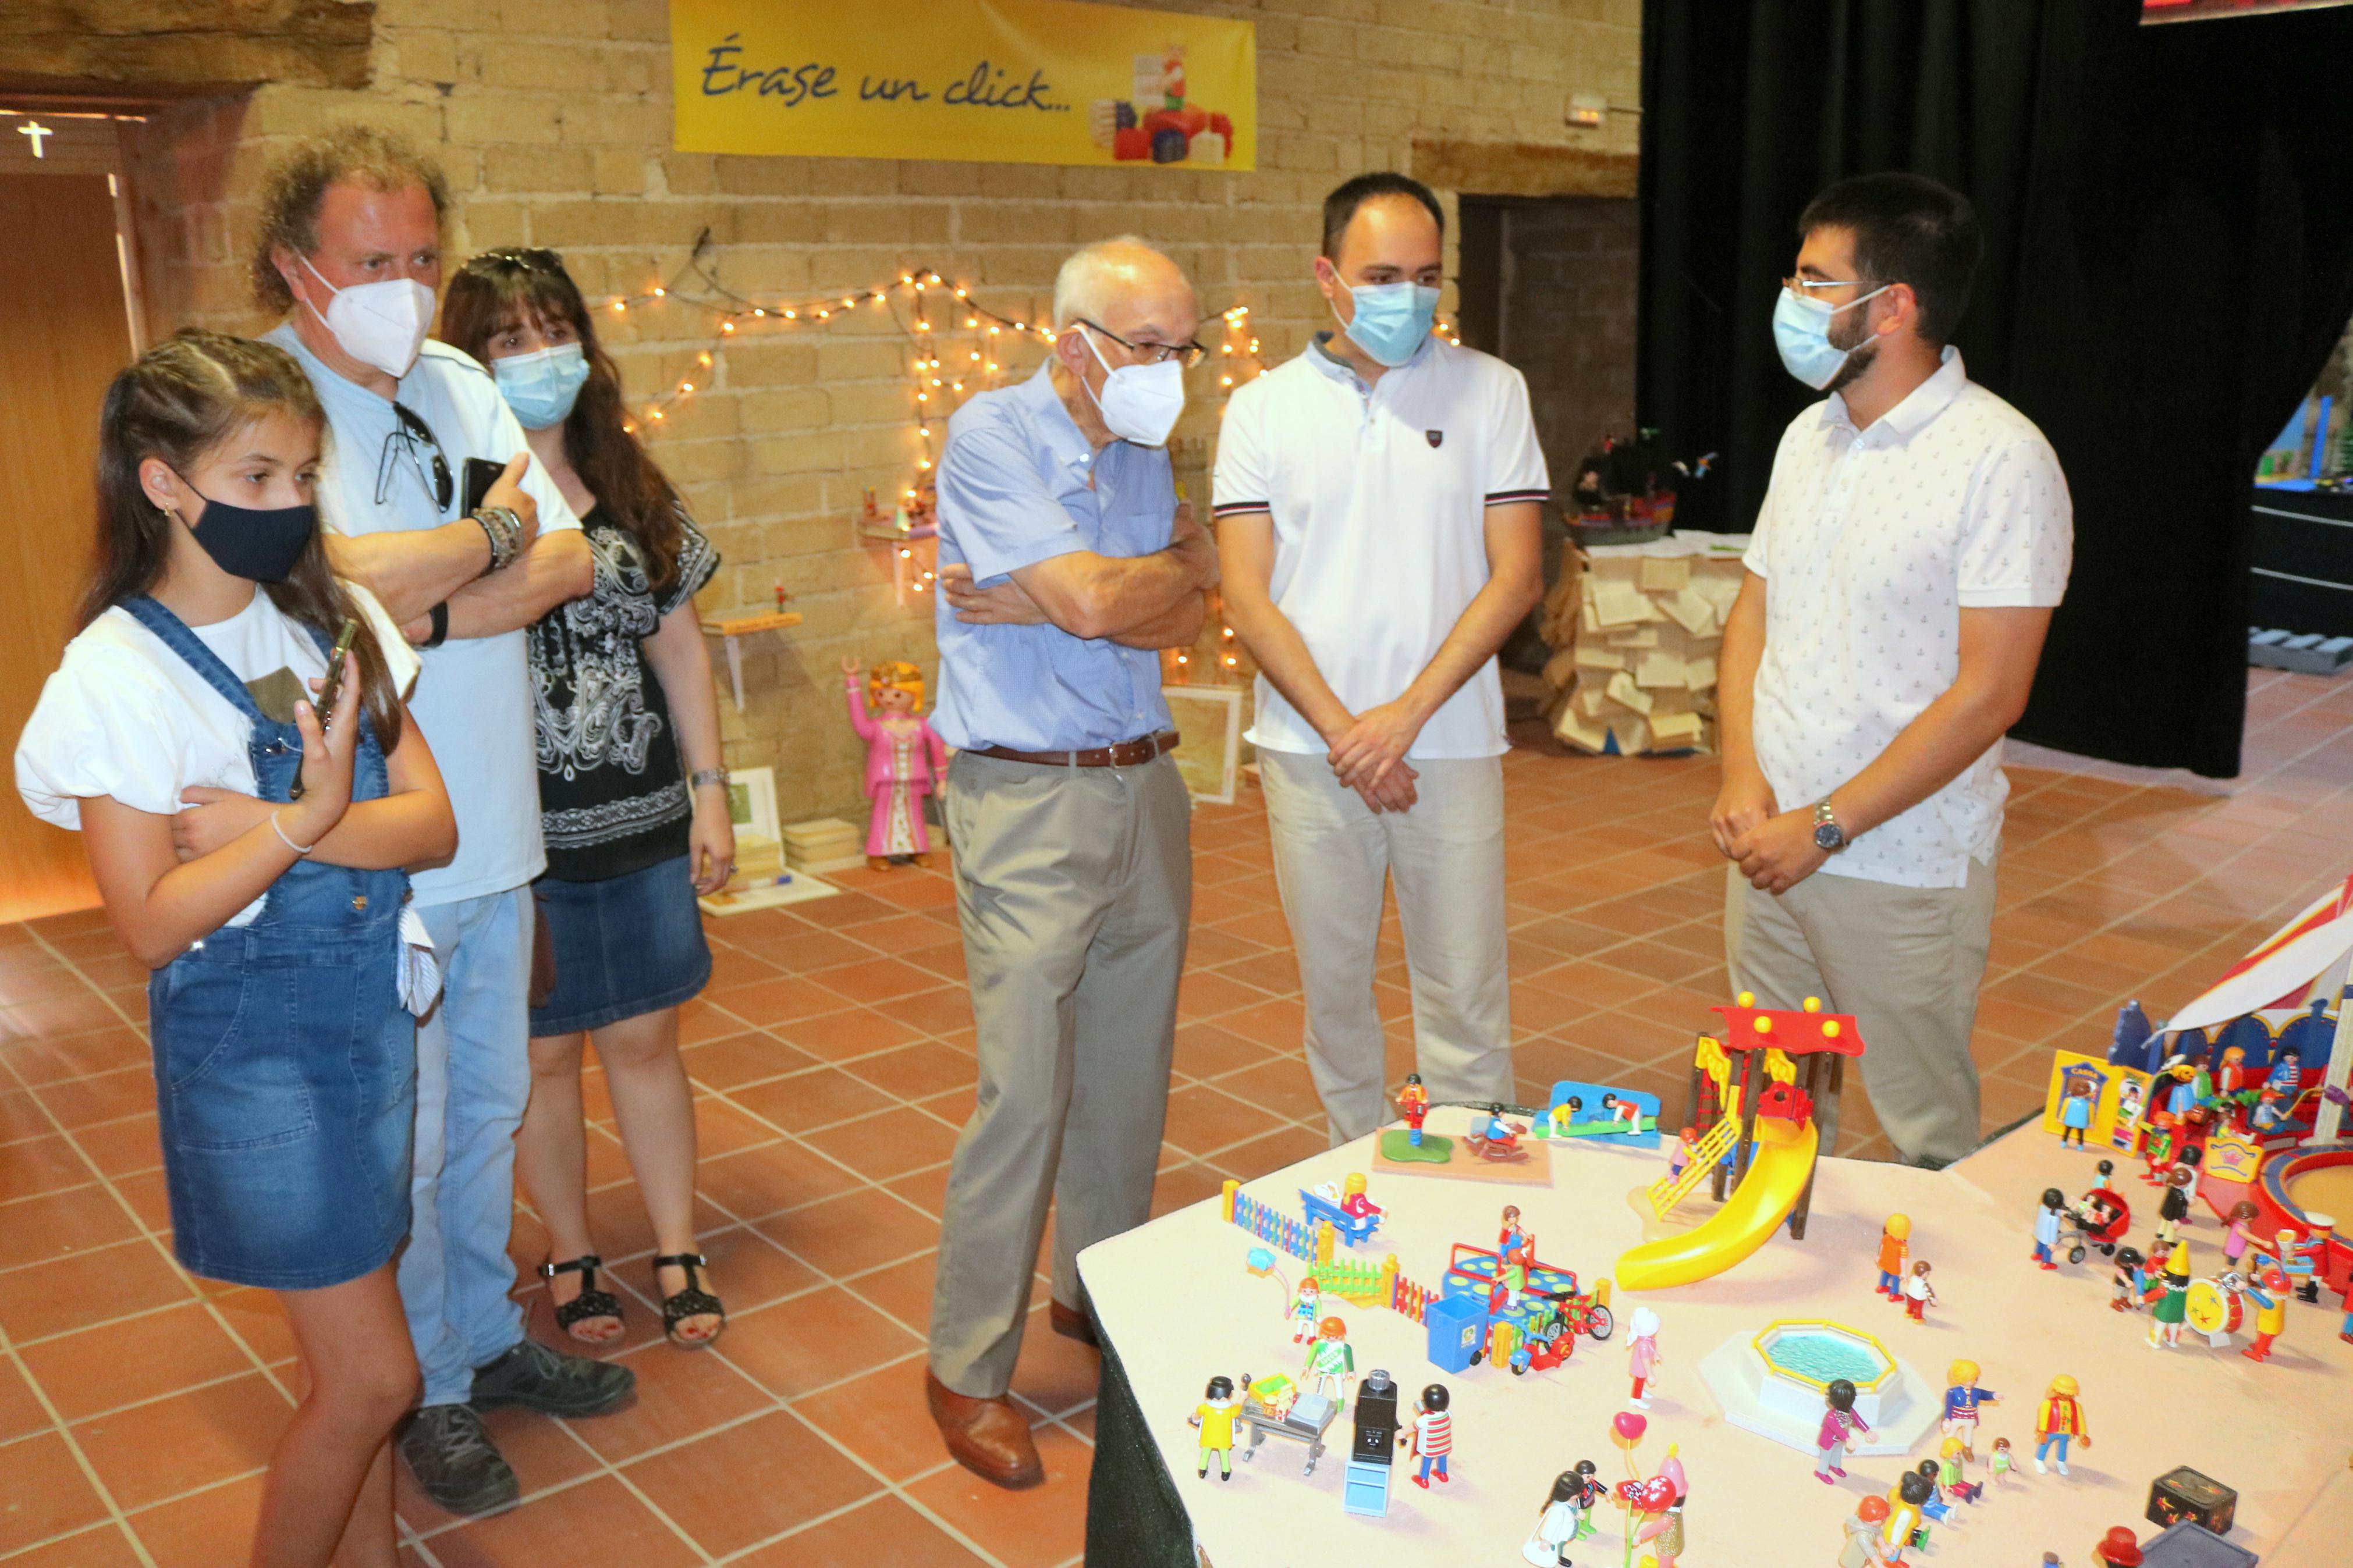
[1635,630]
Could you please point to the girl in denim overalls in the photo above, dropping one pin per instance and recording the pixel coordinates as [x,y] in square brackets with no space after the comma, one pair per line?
[270,910]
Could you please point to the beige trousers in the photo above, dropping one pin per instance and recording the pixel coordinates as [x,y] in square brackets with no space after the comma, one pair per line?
[1331,854]
[1905,961]
[1074,886]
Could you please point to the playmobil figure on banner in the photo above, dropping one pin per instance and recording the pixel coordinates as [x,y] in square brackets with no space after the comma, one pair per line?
[1839,1422]
[1642,1363]
[1895,1246]
[905,759]
[2059,1420]
[1215,1417]
[1963,1400]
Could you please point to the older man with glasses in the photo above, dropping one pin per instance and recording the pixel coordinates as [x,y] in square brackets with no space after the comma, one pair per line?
[1065,563]
[350,245]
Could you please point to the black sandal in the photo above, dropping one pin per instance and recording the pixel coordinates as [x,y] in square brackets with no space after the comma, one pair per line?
[694,1301]
[590,1303]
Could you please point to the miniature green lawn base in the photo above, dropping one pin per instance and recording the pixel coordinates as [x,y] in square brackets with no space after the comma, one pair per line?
[1399,1145]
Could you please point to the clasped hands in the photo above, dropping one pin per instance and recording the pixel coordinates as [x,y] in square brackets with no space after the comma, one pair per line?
[1775,848]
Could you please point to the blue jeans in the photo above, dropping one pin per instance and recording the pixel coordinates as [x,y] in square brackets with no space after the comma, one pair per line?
[473,1077]
[1430,1459]
[2041,1252]
[2055,1439]
[1888,1283]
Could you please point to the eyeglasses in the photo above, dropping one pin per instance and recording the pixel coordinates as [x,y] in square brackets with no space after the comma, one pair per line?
[530,258]
[1188,354]
[414,437]
[1798,286]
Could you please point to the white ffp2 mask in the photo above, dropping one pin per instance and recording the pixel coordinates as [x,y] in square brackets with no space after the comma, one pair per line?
[380,324]
[1140,403]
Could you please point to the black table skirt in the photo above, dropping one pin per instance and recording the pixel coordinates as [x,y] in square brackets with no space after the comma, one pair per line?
[1134,1518]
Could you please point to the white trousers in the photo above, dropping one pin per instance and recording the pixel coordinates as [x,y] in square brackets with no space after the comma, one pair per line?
[1331,854]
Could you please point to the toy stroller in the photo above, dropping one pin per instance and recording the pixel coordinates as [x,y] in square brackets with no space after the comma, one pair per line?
[2101,1220]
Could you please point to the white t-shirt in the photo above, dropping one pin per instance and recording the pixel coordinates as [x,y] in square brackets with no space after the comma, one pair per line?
[1379,498]
[125,716]
[1870,543]
[473,704]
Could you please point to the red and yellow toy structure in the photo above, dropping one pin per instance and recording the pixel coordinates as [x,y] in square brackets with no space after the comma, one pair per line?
[1763,1147]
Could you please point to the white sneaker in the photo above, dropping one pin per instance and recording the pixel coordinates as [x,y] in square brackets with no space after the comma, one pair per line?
[2041,1469]
[2062,1467]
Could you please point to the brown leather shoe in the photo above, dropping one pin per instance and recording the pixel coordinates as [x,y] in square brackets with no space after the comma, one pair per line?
[1072,1323]
[986,1437]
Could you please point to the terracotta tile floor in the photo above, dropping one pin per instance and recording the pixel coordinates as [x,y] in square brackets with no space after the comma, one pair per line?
[833,1060]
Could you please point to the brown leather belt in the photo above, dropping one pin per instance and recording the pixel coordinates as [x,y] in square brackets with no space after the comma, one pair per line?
[1127,755]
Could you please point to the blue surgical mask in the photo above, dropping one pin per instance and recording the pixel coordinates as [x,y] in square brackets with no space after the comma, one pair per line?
[1392,319]
[540,387]
[1801,331]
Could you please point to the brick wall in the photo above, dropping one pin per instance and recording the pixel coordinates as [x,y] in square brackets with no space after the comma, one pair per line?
[1566,318]
[552,119]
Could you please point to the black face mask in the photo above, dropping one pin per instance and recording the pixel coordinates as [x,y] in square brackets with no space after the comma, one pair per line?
[261,545]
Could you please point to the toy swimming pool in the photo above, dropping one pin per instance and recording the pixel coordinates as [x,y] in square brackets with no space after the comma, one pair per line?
[1772,1382]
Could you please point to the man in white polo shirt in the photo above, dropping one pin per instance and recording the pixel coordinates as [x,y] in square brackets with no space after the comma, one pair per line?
[1377,502]
[350,248]
[1914,542]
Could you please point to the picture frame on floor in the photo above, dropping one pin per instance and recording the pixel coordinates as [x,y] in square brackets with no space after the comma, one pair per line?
[1208,722]
[751,801]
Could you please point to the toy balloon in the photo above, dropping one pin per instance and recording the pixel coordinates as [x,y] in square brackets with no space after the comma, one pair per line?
[1655,1495]
[1260,1260]
[1626,1428]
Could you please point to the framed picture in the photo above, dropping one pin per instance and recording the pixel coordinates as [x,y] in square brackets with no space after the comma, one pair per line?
[751,801]
[1209,757]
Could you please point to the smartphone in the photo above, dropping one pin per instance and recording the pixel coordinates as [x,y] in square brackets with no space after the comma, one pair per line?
[324,703]
[480,475]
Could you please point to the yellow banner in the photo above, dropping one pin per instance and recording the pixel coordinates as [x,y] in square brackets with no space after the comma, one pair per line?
[1015,81]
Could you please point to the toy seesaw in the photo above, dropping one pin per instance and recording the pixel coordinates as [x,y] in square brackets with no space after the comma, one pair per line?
[1762,1143]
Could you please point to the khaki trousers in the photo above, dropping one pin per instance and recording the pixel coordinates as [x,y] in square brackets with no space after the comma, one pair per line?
[1074,886]
[1331,854]
[1906,962]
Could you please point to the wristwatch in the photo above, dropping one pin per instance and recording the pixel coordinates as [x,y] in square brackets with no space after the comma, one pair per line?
[701,776]
[1828,834]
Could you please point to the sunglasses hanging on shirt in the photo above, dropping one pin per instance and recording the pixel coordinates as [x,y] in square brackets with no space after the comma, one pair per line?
[412,438]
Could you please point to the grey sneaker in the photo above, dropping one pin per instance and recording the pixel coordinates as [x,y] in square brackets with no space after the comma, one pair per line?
[455,1462]
[538,1378]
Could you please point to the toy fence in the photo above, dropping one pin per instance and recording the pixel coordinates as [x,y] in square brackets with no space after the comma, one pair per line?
[1365,1283]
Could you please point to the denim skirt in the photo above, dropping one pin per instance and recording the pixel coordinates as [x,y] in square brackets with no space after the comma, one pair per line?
[625,946]
[286,1094]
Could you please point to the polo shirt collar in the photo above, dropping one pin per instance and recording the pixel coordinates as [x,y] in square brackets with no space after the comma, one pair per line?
[1320,355]
[1925,400]
[1063,439]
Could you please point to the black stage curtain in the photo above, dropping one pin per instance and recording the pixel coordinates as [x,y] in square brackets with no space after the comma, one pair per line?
[2168,216]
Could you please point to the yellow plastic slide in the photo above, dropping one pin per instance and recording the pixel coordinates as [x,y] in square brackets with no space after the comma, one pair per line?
[1777,1169]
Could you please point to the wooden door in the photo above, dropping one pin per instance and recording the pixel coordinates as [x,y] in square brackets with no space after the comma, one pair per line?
[63,331]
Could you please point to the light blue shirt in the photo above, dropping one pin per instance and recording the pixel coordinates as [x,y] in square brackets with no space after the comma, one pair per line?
[473,698]
[1014,490]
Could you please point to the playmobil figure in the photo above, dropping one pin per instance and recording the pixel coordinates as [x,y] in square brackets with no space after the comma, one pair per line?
[1998,1462]
[2344,1329]
[2269,1291]
[2157,1149]
[905,760]
[1664,1534]
[2272,1107]
[1215,1417]
[1353,1201]
[2233,1077]
[2173,1209]
[2060,1420]
[1862,1535]
[2075,1112]
[2287,1072]
[1894,1246]
[1839,1423]
[1413,1104]
[1678,1159]
[1497,1138]
[1432,1435]
[2298,1258]
[2238,1231]
[1304,1308]
[2104,1176]
[1643,1363]
[1963,1398]
[2047,1217]
[2171,1295]
[2118,1548]
[1949,1456]
[1904,1500]
[1934,1505]
[1563,1519]
[1918,1292]
[2129,1284]
[1331,1361]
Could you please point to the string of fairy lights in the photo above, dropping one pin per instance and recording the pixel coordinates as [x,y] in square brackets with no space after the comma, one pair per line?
[930,313]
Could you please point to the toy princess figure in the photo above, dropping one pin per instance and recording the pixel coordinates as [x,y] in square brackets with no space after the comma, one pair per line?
[905,760]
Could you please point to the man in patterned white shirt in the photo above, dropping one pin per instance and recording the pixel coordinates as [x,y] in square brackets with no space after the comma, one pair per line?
[1914,542]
